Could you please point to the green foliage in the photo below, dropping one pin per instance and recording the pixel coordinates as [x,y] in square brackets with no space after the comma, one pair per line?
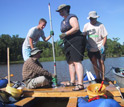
[15,45]
[113,48]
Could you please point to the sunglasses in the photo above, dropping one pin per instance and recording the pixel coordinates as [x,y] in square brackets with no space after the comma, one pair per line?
[92,18]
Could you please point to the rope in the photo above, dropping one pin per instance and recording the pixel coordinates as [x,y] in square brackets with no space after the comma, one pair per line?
[73,47]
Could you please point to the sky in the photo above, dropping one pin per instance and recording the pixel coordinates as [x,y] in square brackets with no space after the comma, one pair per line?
[18,16]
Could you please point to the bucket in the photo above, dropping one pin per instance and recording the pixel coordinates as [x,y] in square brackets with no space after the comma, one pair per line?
[92,90]
[16,93]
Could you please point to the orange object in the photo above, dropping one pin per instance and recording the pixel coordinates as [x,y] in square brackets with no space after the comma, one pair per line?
[11,75]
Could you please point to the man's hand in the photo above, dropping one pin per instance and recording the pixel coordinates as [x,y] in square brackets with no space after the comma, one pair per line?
[84,33]
[60,42]
[62,35]
[54,78]
[51,32]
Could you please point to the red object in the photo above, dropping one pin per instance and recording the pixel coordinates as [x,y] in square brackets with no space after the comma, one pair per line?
[101,86]
[97,97]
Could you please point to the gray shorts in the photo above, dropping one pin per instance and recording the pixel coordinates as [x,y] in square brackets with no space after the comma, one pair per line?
[37,82]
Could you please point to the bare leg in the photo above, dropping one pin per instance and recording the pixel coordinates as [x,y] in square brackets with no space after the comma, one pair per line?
[79,72]
[72,72]
[102,68]
[95,66]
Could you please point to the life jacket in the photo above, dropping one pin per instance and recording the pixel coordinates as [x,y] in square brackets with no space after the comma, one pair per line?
[65,25]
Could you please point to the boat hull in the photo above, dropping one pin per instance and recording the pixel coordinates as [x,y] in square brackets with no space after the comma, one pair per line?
[119,77]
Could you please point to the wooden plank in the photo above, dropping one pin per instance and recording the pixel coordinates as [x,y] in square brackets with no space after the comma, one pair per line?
[113,93]
[54,92]
[24,101]
[120,101]
[65,92]
[72,102]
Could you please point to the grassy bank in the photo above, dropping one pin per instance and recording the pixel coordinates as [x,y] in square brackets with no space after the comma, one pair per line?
[61,58]
[51,59]
[41,60]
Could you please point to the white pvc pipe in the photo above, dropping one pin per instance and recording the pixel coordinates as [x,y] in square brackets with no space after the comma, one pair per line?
[52,39]
[92,77]
[88,76]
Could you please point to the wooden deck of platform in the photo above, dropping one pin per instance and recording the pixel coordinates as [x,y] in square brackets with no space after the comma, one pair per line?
[67,92]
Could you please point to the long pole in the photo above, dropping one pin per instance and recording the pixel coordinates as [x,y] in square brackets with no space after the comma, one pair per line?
[8,66]
[52,41]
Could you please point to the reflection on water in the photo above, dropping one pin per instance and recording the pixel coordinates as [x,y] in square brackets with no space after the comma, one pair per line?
[62,68]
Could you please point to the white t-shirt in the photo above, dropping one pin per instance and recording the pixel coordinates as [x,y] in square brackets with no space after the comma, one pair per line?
[96,34]
[35,34]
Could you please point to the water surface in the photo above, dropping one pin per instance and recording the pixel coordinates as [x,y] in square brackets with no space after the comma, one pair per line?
[62,68]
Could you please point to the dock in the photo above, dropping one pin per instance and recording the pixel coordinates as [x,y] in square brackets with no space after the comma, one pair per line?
[66,92]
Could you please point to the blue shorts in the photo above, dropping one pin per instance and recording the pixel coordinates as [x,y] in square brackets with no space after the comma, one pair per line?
[26,53]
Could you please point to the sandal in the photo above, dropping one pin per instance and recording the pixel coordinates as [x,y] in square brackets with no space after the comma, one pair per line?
[78,87]
[68,84]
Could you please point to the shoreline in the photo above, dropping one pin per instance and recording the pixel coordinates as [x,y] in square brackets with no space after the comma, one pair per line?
[49,59]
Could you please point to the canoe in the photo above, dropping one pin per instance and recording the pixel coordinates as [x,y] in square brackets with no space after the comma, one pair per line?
[63,102]
[65,95]
[7,105]
[55,97]
[119,76]
[98,103]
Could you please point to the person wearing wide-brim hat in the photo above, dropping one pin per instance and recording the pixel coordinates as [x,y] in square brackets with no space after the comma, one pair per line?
[63,6]
[93,14]
[35,51]
[97,36]
[73,45]
[33,73]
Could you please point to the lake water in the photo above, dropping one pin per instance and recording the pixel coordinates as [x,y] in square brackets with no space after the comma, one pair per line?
[62,68]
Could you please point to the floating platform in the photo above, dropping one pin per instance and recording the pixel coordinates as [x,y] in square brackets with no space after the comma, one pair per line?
[66,92]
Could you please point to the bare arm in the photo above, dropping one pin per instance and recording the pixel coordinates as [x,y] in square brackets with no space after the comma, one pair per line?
[104,41]
[31,43]
[47,38]
[75,26]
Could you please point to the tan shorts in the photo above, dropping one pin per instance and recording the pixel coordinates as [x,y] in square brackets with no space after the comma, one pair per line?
[37,82]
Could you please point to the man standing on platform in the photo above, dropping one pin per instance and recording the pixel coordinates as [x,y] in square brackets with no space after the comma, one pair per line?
[96,40]
[33,37]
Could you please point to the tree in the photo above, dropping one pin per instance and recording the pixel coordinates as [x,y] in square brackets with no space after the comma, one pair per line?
[5,41]
[16,49]
[113,48]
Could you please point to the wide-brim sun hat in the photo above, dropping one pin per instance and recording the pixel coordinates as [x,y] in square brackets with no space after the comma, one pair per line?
[93,14]
[34,51]
[63,6]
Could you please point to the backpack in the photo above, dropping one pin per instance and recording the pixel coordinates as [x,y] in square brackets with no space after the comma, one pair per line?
[4,97]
